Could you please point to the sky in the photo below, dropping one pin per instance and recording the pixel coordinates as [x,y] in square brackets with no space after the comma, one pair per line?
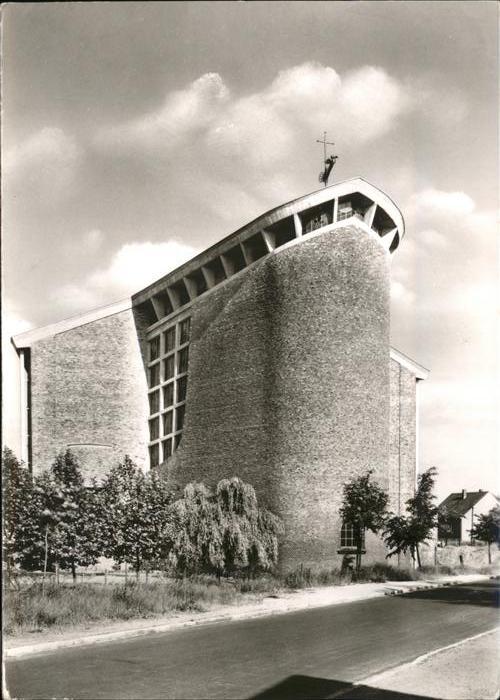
[137,134]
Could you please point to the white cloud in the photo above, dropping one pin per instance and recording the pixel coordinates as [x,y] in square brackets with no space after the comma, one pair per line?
[45,162]
[400,294]
[264,127]
[432,202]
[132,267]
[182,113]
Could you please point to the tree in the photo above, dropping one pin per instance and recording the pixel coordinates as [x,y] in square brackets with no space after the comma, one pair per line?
[222,532]
[364,507]
[137,520]
[19,512]
[408,532]
[72,515]
[487,528]
[249,533]
[195,538]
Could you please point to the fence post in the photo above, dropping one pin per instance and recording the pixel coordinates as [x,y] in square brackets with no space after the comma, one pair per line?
[57,573]
[105,577]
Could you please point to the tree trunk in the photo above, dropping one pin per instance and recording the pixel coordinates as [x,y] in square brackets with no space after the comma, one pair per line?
[137,567]
[73,570]
[489,552]
[46,557]
[418,557]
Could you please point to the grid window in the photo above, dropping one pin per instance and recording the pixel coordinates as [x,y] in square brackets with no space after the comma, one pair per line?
[168,395]
[154,375]
[183,358]
[154,402]
[169,362]
[166,447]
[185,330]
[169,367]
[169,339]
[181,388]
[347,538]
[154,349]
[154,429]
[179,417]
[168,422]
[154,455]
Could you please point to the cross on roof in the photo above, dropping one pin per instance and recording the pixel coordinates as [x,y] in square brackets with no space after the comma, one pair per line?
[329,162]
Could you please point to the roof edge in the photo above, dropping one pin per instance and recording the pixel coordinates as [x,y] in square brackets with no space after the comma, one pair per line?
[418,370]
[26,339]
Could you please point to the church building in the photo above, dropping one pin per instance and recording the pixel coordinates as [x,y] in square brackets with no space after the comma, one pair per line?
[267,356]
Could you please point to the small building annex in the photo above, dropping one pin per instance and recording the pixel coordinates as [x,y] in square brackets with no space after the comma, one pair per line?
[461,510]
[266,356]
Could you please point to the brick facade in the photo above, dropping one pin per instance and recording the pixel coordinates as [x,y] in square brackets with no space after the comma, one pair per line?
[289,383]
[88,392]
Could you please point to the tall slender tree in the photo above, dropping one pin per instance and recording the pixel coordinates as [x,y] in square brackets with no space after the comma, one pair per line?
[404,533]
[364,508]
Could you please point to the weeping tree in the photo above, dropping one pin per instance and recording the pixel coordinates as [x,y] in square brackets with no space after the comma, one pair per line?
[250,535]
[364,507]
[222,532]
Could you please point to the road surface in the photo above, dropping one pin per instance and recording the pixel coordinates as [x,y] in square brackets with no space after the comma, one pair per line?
[308,654]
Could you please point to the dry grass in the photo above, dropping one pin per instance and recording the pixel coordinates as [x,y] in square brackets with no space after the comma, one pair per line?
[29,608]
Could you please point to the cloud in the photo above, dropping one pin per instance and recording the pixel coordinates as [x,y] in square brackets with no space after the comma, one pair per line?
[182,113]
[46,162]
[264,127]
[132,267]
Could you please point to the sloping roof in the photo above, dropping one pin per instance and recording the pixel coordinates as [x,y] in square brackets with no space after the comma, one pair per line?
[457,506]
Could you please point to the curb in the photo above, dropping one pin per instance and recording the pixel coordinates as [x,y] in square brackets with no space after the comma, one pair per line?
[412,589]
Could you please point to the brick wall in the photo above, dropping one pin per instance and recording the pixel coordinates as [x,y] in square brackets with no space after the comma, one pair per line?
[289,384]
[89,392]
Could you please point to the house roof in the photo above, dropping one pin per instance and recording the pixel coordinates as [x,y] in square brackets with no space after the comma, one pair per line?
[456,505]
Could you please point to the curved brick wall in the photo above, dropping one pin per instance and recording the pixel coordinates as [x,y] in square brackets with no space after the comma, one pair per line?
[289,383]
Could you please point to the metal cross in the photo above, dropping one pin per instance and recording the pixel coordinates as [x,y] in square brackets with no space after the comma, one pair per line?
[325,144]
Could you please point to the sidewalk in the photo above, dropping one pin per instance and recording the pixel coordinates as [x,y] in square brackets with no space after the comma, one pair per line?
[468,669]
[271,605]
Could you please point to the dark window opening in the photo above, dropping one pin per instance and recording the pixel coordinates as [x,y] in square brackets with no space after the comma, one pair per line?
[154,402]
[180,293]
[216,269]
[255,247]
[168,395]
[317,217]
[154,455]
[283,231]
[185,331]
[154,348]
[197,279]
[154,429]
[235,259]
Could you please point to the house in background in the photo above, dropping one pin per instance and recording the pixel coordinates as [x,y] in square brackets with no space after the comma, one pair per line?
[458,511]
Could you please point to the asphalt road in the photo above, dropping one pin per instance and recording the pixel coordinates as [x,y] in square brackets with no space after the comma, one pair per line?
[309,654]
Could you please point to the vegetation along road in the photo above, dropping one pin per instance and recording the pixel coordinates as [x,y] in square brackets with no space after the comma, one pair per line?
[313,653]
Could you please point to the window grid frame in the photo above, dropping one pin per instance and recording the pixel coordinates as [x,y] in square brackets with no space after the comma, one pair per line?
[174,437]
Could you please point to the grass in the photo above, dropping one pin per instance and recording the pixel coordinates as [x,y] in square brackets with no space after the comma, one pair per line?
[29,609]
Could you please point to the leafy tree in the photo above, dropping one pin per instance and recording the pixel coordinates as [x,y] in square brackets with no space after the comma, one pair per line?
[72,515]
[137,520]
[445,524]
[404,533]
[364,507]
[19,512]
[487,528]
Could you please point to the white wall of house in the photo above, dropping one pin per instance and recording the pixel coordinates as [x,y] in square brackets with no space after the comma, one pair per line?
[481,508]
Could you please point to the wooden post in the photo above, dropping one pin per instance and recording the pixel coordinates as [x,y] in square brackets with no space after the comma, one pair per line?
[105,577]
[46,555]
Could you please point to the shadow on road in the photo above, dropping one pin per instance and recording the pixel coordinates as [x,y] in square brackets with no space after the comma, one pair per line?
[310,688]
[483,594]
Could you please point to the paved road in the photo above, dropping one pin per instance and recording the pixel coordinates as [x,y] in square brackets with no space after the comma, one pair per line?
[308,654]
